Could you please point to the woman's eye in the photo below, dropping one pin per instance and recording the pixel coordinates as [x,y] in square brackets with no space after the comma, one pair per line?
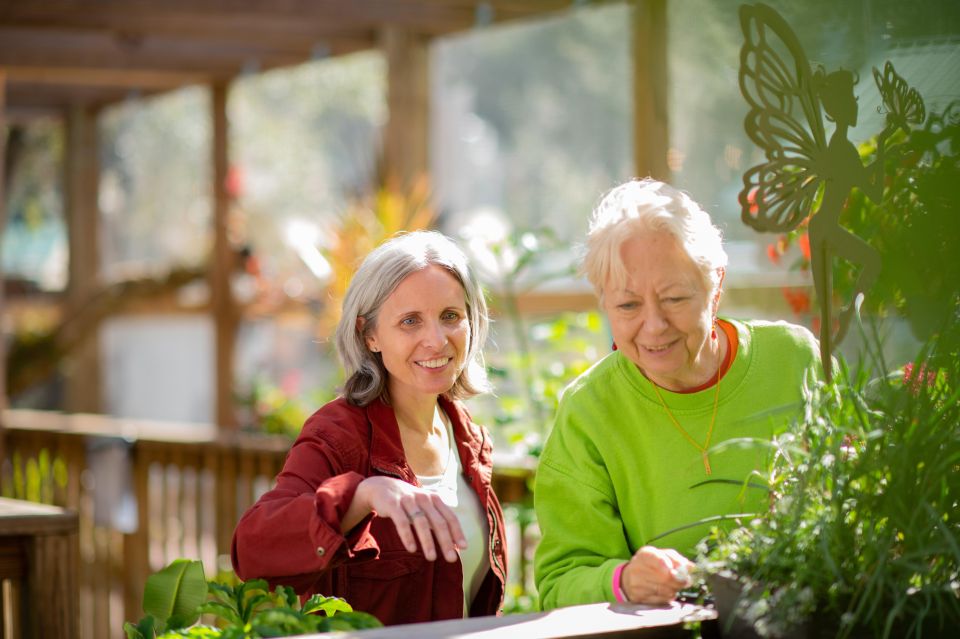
[408,321]
[627,306]
[451,316]
[674,300]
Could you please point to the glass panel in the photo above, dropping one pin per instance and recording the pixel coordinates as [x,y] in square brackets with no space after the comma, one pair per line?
[305,144]
[155,195]
[711,150]
[531,122]
[34,242]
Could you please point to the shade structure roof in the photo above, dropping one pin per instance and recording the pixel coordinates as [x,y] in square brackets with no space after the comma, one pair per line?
[59,53]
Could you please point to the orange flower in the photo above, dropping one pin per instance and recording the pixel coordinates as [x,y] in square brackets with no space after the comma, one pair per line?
[752,201]
[773,254]
[804,242]
[798,299]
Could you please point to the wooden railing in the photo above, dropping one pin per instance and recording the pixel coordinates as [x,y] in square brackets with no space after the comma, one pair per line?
[147,493]
[38,571]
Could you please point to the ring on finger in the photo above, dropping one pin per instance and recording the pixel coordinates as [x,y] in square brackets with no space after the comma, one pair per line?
[415,514]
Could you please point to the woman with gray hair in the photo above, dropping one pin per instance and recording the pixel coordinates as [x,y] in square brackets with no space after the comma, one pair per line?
[621,478]
[393,474]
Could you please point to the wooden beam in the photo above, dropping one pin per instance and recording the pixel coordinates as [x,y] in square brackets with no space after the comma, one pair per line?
[650,121]
[3,228]
[20,47]
[222,263]
[254,20]
[81,183]
[26,101]
[213,14]
[278,29]
[406,137]
[96,77]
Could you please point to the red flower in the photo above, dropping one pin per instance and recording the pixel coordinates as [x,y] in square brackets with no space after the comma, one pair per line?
[290,384]
[235,181]
[773,254]
[925,376]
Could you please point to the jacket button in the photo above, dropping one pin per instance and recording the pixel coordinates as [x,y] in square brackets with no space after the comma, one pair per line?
[321,551]
[496,544]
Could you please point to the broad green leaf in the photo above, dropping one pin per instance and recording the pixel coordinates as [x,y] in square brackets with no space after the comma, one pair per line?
[143,630]
[252,603]
[328,605]
[222,611]
[173,595]
[354,620]
[194,632]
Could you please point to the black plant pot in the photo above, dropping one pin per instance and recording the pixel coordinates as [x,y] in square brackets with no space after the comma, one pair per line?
[728,593]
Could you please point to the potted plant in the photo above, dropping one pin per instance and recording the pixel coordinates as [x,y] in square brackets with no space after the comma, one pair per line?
[175,598]
[862,537]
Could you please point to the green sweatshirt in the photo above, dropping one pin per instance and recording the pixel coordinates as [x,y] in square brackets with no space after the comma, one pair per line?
[615,473]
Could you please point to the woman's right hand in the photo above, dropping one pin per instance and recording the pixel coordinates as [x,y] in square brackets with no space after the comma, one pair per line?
[655,575]
[417,514]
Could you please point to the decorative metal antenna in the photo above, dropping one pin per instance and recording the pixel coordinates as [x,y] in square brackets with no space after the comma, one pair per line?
[805,177]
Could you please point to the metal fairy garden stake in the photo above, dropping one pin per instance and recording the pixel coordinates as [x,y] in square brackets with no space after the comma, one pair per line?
[805,177]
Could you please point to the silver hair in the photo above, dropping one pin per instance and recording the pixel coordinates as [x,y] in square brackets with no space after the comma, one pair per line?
[378,276]
[645,205]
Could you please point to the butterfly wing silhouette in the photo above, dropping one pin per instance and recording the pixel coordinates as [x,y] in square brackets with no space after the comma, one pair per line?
[903,103]
[784,120]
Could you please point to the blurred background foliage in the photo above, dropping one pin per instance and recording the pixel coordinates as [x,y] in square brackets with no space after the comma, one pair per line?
[530,123]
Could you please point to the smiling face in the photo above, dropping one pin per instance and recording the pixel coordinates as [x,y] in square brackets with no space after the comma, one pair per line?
[423,334]
[662,314]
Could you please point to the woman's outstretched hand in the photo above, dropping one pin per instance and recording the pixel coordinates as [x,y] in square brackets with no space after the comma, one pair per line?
[417,514]
[655,575]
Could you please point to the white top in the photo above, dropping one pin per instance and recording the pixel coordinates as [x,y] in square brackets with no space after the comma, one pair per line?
[456,493]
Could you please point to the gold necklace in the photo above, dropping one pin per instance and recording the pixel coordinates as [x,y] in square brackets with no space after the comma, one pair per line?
[713,418]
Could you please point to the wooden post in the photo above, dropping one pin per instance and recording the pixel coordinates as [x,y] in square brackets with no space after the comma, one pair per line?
[406,138]
[3,228]
[650,118]
[81,184]
[221,266]
[136,545]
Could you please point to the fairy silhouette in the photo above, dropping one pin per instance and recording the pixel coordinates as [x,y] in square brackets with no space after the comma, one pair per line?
[804,176]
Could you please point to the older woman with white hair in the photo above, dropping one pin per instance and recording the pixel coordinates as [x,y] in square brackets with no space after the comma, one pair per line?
[393,475]
[622,474]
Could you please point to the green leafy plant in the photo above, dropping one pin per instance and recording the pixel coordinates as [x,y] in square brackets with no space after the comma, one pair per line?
[176,597]
[274,409]
[538,354]
[862,537]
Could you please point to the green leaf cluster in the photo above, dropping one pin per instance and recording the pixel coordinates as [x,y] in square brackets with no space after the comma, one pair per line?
[862,537]
[175,598]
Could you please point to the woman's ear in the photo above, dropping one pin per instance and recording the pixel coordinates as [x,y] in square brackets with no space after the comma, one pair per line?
[369,340]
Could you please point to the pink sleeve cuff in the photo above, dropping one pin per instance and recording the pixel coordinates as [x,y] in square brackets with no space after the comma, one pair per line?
[618,593]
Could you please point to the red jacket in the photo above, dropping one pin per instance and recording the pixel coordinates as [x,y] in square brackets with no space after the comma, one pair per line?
[291,536]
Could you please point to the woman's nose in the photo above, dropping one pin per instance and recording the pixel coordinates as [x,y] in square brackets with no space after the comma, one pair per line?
[435,335]
[654,320]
